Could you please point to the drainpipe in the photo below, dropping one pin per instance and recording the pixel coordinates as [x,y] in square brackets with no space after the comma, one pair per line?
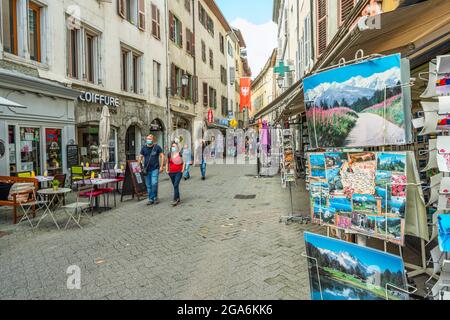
[168,69]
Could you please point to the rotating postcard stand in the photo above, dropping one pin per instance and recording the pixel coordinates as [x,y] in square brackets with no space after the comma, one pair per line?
[288,175]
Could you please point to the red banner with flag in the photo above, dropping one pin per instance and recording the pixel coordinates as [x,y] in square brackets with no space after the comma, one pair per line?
[246,93]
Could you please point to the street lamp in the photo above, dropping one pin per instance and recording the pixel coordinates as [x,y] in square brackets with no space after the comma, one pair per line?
[185,80]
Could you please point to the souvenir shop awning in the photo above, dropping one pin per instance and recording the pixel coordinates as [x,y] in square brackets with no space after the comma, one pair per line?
[291,97]
[399,32]
[419,32]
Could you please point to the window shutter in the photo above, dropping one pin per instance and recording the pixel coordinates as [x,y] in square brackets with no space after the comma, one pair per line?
[205,94]
[121,8]
[345,8]
[188,40]
[141,14]
[171,26]
[159,22]
[69,52]
[173,80]
[321,26]
[180,30]
[195,89]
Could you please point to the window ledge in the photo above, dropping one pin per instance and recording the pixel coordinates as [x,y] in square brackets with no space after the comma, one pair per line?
[25,62]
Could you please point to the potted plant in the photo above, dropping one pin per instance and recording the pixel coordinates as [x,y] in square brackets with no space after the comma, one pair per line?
[55,184]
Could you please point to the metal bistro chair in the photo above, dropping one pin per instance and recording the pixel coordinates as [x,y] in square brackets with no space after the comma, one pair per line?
[24,174]
[78,208]
[33,202]
[77,174]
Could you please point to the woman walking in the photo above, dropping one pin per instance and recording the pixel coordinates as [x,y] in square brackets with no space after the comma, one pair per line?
[175,168]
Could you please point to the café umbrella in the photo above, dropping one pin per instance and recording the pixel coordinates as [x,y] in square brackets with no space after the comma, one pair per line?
[104,134]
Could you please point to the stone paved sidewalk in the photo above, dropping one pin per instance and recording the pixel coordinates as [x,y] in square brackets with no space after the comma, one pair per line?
[213,246]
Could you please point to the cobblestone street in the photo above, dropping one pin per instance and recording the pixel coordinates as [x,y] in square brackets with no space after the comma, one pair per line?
[213,246]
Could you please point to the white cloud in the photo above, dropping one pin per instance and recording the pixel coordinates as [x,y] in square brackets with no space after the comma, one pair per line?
[261,39]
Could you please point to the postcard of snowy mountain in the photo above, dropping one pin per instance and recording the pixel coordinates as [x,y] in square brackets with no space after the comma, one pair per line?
[345,106]
[340,270]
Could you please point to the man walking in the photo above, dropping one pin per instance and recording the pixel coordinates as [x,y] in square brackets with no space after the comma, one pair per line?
[152,161]
[187,157]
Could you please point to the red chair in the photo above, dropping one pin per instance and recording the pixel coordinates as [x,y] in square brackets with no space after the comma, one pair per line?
[91,194]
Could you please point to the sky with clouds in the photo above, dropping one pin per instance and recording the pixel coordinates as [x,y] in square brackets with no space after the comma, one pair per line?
[254,19]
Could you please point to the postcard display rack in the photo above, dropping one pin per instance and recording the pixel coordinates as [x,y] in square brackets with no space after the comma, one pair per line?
[390,94]
[288,173]
[432,125]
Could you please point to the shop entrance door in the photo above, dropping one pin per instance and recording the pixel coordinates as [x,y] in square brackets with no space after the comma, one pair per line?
[130,143]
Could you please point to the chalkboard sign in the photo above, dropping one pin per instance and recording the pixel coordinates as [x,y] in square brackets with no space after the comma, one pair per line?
[72,156]
[134,182]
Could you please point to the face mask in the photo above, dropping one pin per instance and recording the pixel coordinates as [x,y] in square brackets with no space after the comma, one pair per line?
[174,149]
[150,142]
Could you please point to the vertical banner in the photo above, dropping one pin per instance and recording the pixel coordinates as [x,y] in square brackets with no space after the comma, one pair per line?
[246,93]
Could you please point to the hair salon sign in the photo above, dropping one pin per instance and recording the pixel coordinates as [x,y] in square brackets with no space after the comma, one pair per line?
[100,99]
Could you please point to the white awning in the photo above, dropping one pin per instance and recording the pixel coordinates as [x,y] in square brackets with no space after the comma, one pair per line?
[8,103]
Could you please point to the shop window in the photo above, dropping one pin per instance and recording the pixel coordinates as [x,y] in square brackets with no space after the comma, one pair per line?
[30,154]
[9,26]
[53,147]
[34,31]
[88,138]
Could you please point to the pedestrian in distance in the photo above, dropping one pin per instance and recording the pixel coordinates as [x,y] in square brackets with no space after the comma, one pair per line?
[187,157]
[152,161]
[175,167]
[203,162]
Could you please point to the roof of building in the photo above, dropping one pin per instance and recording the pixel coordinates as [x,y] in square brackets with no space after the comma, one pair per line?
[216,11]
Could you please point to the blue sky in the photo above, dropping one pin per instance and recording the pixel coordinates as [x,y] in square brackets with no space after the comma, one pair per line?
[254,11]
[254,19]
[343,74]
[370,257]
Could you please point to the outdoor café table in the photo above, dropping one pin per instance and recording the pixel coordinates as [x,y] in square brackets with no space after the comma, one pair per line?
[43,181]
[52,205]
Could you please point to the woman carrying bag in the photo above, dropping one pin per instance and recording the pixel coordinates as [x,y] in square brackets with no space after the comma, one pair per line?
[175,168]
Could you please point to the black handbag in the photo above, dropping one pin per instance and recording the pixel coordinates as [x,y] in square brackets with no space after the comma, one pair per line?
[145,169]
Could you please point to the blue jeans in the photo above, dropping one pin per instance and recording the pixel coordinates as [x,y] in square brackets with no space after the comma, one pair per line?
[186,170]
[151,180]
[176,179]
[203,169]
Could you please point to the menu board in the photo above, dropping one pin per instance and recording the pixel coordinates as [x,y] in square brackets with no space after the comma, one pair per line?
[72,155]
[134,182]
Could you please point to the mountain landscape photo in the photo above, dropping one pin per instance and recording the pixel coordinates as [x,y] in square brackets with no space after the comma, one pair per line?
[356,273]
[346,106]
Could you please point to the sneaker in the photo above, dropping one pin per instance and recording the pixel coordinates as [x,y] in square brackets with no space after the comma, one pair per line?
[175,203]
[156,202]
[150,203]
[203,178]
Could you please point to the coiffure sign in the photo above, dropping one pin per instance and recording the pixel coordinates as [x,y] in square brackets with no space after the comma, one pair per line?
[99,99]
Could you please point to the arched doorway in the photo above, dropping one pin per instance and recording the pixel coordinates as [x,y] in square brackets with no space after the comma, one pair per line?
[157,130]
[132,142]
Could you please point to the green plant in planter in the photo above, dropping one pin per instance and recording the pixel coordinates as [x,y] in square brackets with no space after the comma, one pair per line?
[55,184]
